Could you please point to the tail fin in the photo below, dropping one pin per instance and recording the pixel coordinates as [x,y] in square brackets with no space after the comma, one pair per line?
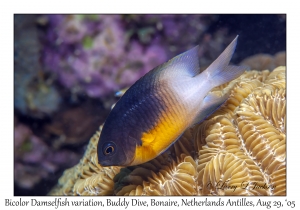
[219,72]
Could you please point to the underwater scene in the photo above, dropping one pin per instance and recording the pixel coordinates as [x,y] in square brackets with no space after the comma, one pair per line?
[91,118]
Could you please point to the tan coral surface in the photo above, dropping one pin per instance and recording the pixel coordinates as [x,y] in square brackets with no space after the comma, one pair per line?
[239,150]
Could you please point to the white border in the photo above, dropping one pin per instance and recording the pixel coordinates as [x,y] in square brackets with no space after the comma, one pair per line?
[8,8]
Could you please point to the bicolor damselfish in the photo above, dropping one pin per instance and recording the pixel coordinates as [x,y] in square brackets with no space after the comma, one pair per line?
[155,111]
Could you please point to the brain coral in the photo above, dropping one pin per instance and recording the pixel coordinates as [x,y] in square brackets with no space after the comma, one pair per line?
[239,150]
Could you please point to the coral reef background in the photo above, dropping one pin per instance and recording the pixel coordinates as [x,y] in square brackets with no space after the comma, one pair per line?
[68,67]
[239,150]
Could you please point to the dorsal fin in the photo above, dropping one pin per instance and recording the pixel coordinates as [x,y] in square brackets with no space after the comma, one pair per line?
[186,63]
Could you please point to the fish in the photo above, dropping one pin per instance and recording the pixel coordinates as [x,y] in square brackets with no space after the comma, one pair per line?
[156,110]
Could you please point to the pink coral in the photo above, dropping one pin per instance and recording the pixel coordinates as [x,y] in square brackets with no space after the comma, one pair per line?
[90,54]
[35,160]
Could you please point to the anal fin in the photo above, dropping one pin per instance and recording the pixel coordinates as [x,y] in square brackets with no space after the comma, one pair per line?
[209,105]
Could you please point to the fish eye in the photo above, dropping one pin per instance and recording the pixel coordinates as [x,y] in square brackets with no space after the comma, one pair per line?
[109,148]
